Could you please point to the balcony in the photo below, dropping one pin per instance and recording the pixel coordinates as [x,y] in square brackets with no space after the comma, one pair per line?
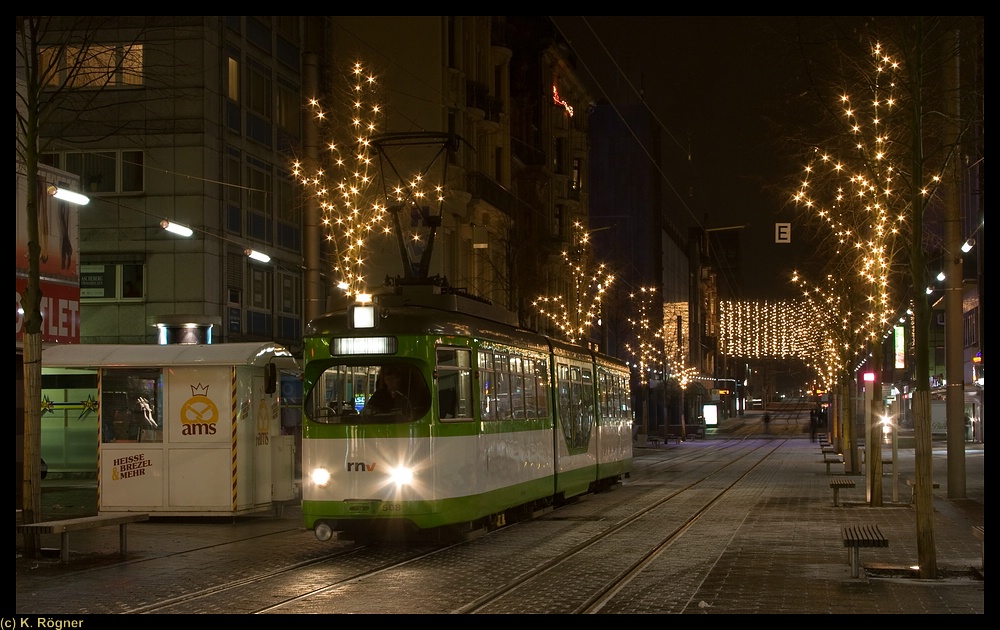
[481,106]
[487,189]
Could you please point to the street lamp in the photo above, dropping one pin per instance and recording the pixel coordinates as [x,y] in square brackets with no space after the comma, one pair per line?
[176,228]
[68,195]
[253,254]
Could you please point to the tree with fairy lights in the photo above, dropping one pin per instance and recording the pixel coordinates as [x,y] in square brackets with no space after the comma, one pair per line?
[657,355]
[646,346]
[573,311]
[838,334]
[897,165]
[855,193]
[346,181]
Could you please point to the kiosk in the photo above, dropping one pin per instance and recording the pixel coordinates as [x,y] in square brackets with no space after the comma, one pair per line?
[186,430]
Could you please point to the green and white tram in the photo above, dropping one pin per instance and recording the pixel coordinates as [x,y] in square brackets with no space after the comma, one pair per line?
[429,410]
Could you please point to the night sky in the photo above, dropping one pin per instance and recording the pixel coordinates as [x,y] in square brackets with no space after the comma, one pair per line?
[733,89]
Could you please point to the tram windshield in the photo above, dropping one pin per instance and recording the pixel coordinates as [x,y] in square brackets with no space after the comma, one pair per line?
[368,394]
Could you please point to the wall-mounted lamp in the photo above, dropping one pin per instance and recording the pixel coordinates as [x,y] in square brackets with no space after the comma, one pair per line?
[176,228]
[968,245]
[941,276]
[68,195]
[253,254]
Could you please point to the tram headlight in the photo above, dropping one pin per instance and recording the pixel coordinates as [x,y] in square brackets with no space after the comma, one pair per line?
[401,476]
[320,476]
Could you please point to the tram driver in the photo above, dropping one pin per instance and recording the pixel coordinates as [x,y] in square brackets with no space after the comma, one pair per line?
[398,389]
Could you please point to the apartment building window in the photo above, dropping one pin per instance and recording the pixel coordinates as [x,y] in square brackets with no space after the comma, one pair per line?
[234,192]
[233,112]
[557,220]
[103,171]
[288,109]
[290,306]
[559,158]
[259,103]
[259,316]
[286,43]
[96,66]
[577,174]
[288,25]
[970,328]
[259,211]
[236,263]
[113,282]
[260,288]
[233,77]
[259,90]
[291,294]
[259,33]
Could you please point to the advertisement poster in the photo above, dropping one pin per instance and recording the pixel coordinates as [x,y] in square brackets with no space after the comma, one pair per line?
[59,269]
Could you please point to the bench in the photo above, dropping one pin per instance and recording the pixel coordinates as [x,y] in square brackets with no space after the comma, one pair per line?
[979,532]
[837,483]
[832,459]
[858,536]
[913,488]
[671,437]
[64,527]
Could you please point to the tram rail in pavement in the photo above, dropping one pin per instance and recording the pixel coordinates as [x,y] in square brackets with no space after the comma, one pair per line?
[756,583]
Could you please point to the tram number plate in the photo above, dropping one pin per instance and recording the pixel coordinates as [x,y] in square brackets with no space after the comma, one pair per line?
[362,507]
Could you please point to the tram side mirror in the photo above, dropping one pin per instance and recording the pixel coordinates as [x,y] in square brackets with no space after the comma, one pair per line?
[270,378]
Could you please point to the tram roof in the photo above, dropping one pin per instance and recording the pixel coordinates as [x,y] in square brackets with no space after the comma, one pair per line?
[120,355]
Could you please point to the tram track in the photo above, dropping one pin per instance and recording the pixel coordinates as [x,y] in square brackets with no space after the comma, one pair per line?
[506,596]
[331,571]
[579,558]
[351,580]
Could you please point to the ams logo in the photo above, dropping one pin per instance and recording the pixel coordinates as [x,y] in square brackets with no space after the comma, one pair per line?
[199,414]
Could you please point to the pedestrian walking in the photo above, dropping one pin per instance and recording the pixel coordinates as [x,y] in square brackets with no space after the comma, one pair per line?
[813,424]
[767,422]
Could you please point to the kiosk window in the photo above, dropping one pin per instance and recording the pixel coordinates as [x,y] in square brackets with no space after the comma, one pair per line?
[131,405]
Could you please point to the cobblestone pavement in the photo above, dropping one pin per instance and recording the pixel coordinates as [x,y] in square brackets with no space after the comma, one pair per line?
[782,556]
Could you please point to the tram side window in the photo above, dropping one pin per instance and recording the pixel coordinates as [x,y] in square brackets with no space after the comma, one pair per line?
[454,370]
[516,388]
[527,387]
[586,405]
[541,378]
[501,377]
[604,393]
[131,405]
[487,390]
[565,401]
[625,401]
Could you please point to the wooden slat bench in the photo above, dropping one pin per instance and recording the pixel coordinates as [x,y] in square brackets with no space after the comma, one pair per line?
[837,483]
[913,487]
[979,532]
[858,536]
[670,437]
[64,527]
[832,459]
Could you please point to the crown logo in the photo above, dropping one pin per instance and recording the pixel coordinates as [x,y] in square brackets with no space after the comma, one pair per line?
[199,390]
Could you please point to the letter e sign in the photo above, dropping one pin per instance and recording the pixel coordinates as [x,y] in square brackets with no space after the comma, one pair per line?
[782,232]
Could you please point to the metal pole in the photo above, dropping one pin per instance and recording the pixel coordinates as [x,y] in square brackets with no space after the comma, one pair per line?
[865,460]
